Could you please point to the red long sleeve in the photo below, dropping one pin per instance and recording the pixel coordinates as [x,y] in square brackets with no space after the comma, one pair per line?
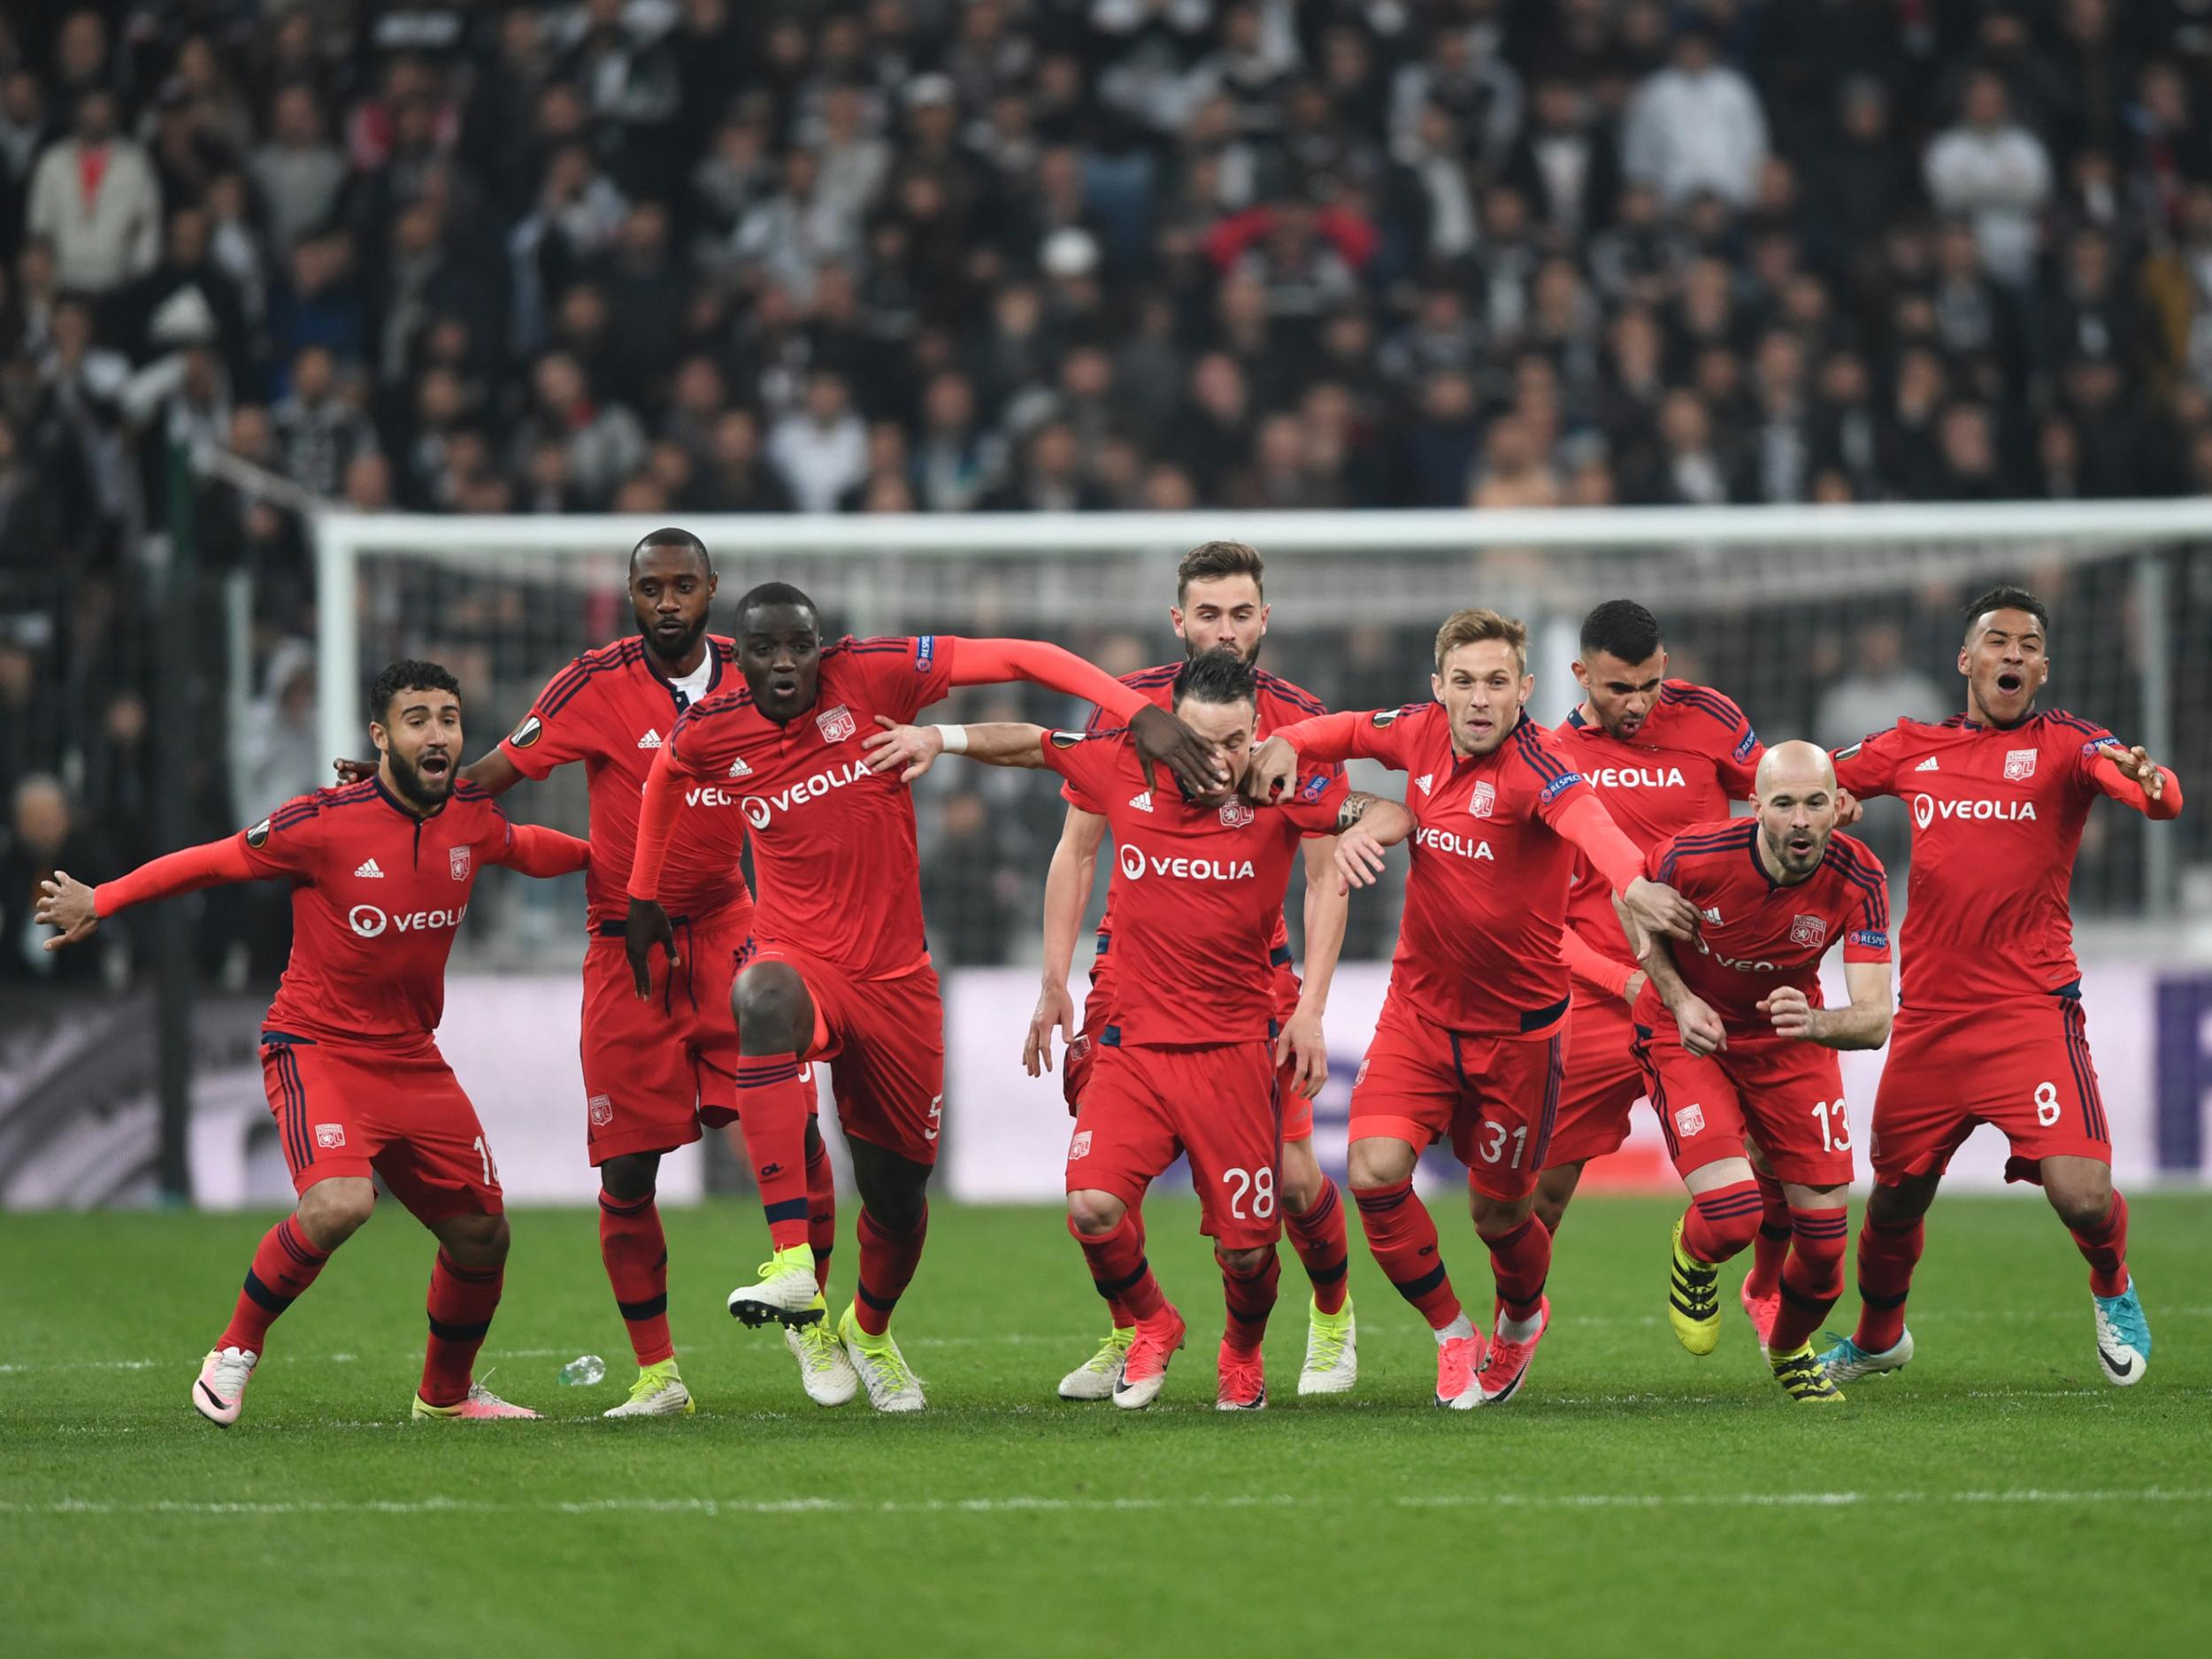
[1592,965]
[655,823]
[539,851]
[995,662]
[1587,825]
[187,871]
[2125,790]
[1325,736]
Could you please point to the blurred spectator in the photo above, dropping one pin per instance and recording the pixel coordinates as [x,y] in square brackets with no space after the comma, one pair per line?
[44,837]
[1695,126]
[1875,690]
[1995,172]
[95,199]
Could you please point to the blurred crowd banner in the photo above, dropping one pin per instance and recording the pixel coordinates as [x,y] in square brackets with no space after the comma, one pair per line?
[77,1119]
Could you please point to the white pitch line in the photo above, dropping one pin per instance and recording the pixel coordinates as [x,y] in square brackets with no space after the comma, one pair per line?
[2027,1497]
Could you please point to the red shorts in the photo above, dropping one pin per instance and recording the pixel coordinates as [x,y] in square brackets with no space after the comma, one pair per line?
[2022,1065]
[1603,1081]
[1143,1105]
[1787,1096]
[398,1111]
[655,1071]
[1497,1098]
[884,1041]
[1075,1066]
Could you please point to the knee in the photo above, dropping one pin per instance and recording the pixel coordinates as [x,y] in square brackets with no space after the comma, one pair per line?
[1497,1216]
[1244,1263]
[330,1212]
[1301,1183]
[2082,1201]
[476,1240]
[1380,1162]
[773,1013]
[1553,1189]
[1902,1205]
[630,1177]
[1093,1214]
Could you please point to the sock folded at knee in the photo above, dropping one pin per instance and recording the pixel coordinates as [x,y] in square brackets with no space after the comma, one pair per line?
[1720,1223]
[1250,1297]
[887,1261]
[635,1253]
[2105,1248]
[461,1303]
[1118,1268]
[1812,1278]
[284,1265]
[1324,1246]
[771,1103]
[1401,1235]
[1887,1256]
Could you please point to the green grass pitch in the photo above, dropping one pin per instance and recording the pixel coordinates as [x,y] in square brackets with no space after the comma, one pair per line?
[1996,1498]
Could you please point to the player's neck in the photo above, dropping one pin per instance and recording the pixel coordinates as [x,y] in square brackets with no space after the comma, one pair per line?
[399,797]
[1976,715]
[679,668]
[1780,877]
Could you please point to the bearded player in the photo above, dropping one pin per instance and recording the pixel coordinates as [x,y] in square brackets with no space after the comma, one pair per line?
[1190,1059]
[1220,605]
[1989,1027]
[381,872]
[837,969]
[1470,1044]
[1662,755]
[1751,1051]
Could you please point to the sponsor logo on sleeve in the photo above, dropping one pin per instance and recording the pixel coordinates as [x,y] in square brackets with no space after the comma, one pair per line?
[1812,931]
[1867,939]
[1388,717]
[1747,743]
[1065,739]
[528,732]
[457,861]
[1564,781]
[1314,788]
[1849,753]
[257,837]
[2019,764]
[925,653]
[836,725]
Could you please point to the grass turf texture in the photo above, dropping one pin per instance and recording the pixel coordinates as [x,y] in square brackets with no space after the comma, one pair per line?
[1633,1500]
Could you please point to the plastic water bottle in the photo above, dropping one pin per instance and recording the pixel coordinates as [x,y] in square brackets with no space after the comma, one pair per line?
[583,1371]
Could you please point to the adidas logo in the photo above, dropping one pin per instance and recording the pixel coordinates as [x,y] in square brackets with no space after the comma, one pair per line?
[369,869]
[1711,913]
[1928,764]
[739,769]
[1426,781]
[651,739]
[1142,801]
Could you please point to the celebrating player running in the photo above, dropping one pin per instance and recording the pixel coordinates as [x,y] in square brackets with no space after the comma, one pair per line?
[381,872]
[1751,1050]
[1468,1042]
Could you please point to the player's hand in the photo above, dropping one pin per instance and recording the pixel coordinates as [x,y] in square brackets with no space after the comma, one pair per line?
[914,747]
[1302,1037]
[1196,763]
[65,903]
[1634,988]
[1274,769]
[1360,859]
[354,770]
[1703,1034]
[1787,1011]
[2136,766]
[648,925]
[1849,809]
[1659,909]
[1054,1009]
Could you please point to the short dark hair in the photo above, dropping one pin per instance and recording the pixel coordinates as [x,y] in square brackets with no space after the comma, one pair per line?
[1622,628]
[1216,676]
[769,593]
[408,674]
[670,535]
[1211,561]
[2007,598]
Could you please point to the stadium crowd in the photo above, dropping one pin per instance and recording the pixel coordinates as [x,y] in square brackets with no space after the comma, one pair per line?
[672,256]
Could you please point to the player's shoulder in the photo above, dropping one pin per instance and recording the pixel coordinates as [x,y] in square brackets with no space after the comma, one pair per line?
[1410,716]
[314,807]
[1287,697]
[1687,697]
[725,648]
[476,799]
[2058,729]
[1721,837]
[1538,748]
[878,654]
[1851,856]
[593,669]
[1906,732]
[1093,739]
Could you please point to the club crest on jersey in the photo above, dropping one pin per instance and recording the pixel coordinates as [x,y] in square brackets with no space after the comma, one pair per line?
[739,769]
[258,835]
[1689,1120]
[329,1135]
[835,726]
[1811,931]
[601,1109]
[1235,815]
[528,732]
[2019,764]
[1484,802]
[457,861]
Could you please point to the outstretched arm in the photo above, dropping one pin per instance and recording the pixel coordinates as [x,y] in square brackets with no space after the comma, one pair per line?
[1654,908]
[2131,777]
[77,909]
[913,750]
[1160,736]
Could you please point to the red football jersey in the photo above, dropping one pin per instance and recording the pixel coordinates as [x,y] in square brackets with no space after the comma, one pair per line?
[377,894]
[1757,934]
[833,842]
[1997,818]
[1694,755]
[1281,703]
[1198,890]
[610,710]
[1479,944]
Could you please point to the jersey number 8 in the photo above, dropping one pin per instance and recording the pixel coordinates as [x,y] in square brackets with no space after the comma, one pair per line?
[2047,1107]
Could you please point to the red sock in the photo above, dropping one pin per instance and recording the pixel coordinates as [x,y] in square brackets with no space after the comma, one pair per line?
[1120,1270]
[821,1207]
[887,1261]
[1125,1316]
[771,1103]
[2104,1247]
[1320,1238]
[635,1252]
[1813,1277]
[1402,1234]
[1886,1258]
[1770,1246]
[462,1302]
[1251,1298]
[1521,1262]
[284,1265]
[1718,1223]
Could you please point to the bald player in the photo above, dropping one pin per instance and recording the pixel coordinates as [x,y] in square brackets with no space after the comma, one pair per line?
[1750,1049]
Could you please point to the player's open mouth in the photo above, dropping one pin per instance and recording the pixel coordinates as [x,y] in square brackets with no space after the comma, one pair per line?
[2008,683]
[435,765]
[1800,845]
